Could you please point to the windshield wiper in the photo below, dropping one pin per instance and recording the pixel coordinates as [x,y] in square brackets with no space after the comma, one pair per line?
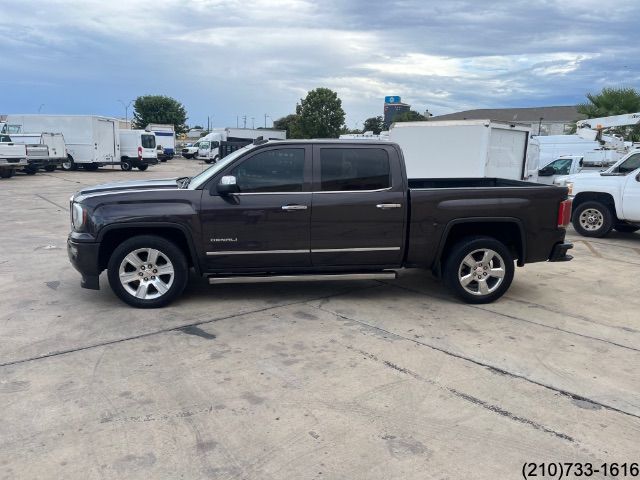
[183,182]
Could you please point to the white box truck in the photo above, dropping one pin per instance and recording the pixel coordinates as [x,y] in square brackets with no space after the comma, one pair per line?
[463,148]
[137,149]
[221,141]
[165,138]
[91,141]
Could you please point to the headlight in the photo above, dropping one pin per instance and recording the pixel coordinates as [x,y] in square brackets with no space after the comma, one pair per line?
[569,185]
[78,216]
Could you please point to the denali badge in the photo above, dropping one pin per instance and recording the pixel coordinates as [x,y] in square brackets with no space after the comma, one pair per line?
[214,240]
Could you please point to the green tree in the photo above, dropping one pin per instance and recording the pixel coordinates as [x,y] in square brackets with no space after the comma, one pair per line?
[288,123]
[159,109]
[197,127]
[320,114]
[409,116]
[346,130]
[614,101]
[373,124]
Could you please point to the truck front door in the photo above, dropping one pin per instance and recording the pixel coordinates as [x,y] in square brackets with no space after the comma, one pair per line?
[266,224]
[359,206]
[631,197]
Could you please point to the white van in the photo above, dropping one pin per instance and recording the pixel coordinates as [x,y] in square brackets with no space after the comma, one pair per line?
[137,149]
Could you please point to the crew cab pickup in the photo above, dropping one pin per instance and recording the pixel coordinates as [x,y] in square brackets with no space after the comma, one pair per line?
[301,210]
[607,200]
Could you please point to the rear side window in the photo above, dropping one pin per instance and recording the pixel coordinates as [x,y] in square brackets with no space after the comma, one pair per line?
[279,170]
[148,141]
[352,169]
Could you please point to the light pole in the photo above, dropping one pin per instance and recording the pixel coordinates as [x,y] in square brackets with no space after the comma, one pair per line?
[265,120]
[126,110]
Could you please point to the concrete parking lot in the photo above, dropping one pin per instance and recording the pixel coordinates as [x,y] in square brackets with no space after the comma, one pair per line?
[365,380]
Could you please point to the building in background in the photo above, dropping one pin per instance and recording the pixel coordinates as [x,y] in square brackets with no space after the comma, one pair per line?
[392,106]
[557,120]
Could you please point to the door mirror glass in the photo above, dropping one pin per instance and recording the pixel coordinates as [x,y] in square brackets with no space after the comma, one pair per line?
[227,185]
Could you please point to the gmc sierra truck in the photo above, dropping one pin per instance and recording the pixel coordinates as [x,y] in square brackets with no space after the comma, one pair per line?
[303,210]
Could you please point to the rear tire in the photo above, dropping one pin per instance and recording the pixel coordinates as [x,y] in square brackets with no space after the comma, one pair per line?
[69,165]
[50,168]
[152,289]
[479,269]
[91,167]
[624,228]
[593,219]
[142,168]
[30,170]
[125,165]
[6,172]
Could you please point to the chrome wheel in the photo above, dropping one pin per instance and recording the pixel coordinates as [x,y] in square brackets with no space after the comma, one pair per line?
[146,273]
[591,219]
[481,272]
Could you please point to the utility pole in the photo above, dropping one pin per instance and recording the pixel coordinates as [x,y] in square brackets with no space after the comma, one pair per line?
[244,121]
[265,119]
[253,123]
[126,110]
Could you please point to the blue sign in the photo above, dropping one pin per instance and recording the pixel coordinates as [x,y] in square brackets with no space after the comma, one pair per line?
[391,99]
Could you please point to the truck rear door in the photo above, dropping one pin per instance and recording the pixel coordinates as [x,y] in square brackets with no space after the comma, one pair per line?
[358,206]
[507,151]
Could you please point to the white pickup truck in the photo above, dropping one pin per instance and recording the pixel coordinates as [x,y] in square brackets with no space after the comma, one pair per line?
[566,165]
[12,156]
[606,200]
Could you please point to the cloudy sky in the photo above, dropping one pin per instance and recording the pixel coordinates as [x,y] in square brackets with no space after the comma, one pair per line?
[226,58]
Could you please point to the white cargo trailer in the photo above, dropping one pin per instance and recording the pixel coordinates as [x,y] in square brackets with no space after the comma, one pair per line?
[463,148]
[91,141]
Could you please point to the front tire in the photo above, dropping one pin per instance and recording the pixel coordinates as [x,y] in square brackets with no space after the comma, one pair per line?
[593,219]
[30,170]
[69,165]
[479,269]
[148,271]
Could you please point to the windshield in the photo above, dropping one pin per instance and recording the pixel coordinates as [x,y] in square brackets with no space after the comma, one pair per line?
[203,145]
[201,178]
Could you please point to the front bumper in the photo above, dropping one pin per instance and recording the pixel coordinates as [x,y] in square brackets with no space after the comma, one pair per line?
[559,252]
[84,256]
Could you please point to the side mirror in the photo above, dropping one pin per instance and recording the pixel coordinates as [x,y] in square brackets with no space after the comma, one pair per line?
[546,172]
[227,185]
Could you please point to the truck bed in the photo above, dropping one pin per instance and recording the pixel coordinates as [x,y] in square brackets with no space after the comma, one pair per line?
[441,205]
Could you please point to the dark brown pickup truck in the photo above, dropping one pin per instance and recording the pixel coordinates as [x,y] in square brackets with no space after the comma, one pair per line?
[313,210]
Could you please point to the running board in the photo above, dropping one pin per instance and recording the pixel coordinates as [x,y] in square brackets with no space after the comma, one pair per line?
[320,277]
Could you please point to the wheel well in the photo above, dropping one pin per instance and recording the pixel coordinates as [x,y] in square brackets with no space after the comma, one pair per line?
[508,233]
[115,237]
[604,198]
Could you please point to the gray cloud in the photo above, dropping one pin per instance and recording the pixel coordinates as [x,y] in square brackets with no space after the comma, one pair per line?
[228,58]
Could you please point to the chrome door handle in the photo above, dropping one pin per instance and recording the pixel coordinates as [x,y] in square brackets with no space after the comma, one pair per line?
[386,206]
[294,207]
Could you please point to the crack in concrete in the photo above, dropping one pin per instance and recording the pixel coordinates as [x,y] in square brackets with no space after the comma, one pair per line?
[491,368]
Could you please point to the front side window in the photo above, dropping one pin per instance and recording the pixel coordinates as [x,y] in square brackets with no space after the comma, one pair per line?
[279,170]
[353,169]
[148,141]
[630,164]
[562,166]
